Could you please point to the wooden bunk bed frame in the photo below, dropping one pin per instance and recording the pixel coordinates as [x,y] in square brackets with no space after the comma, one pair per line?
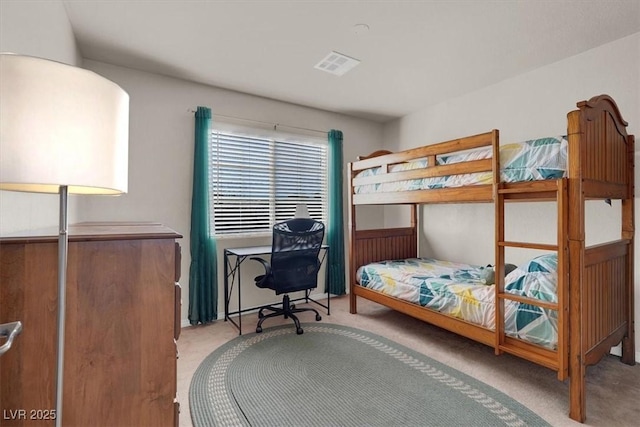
[595,283]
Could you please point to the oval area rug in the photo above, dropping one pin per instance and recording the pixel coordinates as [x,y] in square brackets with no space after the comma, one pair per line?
[334,375]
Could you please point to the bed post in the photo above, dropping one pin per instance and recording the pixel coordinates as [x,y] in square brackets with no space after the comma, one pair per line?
[563,285]
[499,238]
[577,366]
[628,228]
[352,242]
[414,223]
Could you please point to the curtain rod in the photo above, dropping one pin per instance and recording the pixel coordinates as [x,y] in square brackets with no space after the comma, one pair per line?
[275,125]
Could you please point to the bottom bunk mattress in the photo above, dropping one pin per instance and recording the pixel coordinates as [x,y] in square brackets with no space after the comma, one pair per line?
[461,291]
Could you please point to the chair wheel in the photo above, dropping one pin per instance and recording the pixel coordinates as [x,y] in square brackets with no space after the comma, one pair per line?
[299,331]
[318,318]
[259,329]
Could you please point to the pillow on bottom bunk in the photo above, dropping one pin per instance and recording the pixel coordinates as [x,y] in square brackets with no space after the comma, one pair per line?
[535,279]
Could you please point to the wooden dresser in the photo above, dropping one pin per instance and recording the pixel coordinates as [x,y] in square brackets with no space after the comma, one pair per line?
[122,323]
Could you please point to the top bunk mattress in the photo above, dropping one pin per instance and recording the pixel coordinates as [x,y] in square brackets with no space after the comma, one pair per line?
[532,160]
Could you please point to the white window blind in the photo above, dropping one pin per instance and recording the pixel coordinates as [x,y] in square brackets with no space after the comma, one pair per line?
[257,181]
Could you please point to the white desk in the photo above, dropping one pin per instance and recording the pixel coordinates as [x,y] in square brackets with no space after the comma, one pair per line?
[232,270]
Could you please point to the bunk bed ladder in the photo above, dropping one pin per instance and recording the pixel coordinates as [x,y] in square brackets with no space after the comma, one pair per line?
[551,190]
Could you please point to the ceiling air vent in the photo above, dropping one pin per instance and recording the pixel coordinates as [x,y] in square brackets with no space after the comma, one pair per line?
[336,63]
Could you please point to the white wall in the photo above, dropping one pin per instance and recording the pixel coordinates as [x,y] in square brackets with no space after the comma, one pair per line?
[37,29]
[161,158]
[531,105]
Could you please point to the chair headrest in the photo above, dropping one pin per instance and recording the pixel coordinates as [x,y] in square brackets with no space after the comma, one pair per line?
[298,225]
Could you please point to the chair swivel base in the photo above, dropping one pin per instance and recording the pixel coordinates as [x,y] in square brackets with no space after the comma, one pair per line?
[287,311]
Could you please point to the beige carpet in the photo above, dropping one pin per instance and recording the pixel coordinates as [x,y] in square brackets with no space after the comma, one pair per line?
[613,388]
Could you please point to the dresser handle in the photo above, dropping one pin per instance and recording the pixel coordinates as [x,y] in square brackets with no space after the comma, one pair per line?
[11,331]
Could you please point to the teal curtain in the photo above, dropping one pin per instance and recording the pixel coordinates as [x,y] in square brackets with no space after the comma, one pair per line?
[203,272]
[335,226]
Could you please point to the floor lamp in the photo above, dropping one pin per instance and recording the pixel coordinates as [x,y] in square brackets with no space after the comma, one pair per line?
[63,130]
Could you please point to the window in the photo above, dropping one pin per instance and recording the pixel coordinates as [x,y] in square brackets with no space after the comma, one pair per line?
[257,179]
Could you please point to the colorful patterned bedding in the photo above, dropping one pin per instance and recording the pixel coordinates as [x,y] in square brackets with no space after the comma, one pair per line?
[459,291]
[538,159]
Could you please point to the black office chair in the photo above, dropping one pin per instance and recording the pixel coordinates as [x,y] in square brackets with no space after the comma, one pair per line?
[294,266]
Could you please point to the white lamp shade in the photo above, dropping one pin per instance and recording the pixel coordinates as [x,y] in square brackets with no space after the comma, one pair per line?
[61,125]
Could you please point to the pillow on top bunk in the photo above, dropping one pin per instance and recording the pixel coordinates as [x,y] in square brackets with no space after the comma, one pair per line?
[536,278]
[535,159]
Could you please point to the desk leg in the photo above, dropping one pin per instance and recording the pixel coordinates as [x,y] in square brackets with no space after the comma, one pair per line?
[230,271]
[238,261]
[226,285]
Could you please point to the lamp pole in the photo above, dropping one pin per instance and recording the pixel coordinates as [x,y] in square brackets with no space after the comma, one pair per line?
[63,246]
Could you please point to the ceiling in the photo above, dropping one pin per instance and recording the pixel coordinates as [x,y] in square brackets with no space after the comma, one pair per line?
[415,54]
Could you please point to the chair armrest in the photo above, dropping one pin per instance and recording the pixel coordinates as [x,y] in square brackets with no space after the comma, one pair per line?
[260,280]
[265,264]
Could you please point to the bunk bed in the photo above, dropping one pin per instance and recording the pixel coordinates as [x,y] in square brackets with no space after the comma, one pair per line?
[592,309]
